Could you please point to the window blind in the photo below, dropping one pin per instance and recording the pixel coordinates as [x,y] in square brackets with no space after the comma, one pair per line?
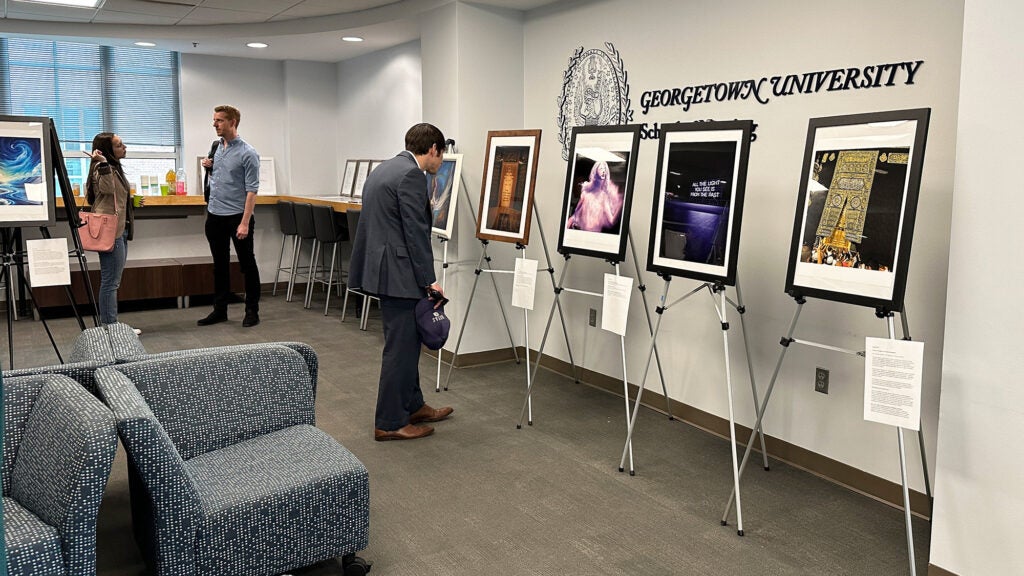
[87,89]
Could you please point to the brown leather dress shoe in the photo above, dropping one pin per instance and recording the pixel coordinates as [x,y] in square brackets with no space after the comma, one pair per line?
[407,432]
[428,414]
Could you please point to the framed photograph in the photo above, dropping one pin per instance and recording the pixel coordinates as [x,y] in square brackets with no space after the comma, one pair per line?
[362,171]
[348,180]
[268,176]
[27,191]
[855,213]
[698,200]
[443,189]
[506,196]
[599,191]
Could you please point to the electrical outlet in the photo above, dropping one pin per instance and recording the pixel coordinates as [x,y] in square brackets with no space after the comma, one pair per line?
[821,380]
[593,317]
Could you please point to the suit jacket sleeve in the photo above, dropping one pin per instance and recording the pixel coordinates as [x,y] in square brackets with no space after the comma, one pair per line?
[413,209]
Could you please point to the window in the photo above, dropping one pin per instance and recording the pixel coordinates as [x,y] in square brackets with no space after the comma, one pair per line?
[88,89]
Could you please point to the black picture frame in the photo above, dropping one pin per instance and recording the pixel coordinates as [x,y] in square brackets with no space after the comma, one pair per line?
[857,206]
[597,202]
[27,187]
[698,200]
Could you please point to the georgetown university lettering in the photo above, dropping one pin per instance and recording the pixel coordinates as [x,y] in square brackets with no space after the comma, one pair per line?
[867,77]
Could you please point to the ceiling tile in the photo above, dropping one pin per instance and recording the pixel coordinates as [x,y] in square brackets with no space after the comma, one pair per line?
[28,11]
[204,15]
[139,7]
[269,7]
[111,17]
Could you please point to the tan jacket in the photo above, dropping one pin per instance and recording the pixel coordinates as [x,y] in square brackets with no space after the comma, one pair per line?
[108,187]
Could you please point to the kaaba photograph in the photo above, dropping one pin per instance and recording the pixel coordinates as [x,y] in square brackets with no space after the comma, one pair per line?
[853,208]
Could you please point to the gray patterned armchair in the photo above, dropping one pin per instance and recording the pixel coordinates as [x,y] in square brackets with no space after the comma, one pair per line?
[59,444]
[228,474]
[118,343]
[91,349]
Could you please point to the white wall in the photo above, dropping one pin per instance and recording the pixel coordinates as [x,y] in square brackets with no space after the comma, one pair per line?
[379,98]
[978,503]
[477,51]
[311,105]
[664,43]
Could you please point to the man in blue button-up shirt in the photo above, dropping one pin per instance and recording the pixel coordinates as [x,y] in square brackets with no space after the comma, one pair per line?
[234,183]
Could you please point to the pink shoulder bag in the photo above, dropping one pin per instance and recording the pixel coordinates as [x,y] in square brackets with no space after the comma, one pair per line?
[97,231]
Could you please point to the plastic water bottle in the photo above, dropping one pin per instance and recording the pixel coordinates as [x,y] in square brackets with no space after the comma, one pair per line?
[180,187]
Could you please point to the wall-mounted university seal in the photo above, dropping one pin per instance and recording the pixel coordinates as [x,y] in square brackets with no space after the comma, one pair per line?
[594,93]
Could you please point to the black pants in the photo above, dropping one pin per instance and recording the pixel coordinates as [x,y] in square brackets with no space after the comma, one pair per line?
[220,233]
[398,393]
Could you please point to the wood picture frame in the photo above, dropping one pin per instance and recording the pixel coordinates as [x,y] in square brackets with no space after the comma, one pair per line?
[506,193]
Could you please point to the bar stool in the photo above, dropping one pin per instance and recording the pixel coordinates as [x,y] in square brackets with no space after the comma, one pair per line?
[286,221]
[353,225]
[306,231]
[329,231]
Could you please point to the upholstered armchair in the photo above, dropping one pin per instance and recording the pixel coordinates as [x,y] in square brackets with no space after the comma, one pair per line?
[59,444]
[227,472]
[90,350]
[125,346]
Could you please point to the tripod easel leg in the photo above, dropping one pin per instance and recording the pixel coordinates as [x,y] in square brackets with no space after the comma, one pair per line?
[540,351]
[5,276]
[903,468]
[764,403]
[508,330]
[465,317]
[906,501]
[636,404]
[444,277]
[650,327]
[558,303]
[732,418]
[920,429]
[526,347]
[741,309]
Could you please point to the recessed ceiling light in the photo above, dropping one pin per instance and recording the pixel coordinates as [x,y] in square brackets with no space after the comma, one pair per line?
[145,44]
[73,3]
[257,45]
[351,38]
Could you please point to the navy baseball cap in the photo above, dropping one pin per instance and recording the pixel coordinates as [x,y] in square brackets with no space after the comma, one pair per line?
[432,324]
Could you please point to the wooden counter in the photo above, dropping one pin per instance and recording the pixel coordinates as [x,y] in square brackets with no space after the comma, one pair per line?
[335,202]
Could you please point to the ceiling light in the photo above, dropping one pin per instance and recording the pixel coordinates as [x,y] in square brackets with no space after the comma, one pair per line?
[351,38]
[145,44]
[73,3]
[257,45]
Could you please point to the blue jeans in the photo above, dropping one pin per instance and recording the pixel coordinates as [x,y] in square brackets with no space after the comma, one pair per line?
[111,267]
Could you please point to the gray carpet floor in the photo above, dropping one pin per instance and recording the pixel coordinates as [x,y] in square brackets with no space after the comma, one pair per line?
[481,497]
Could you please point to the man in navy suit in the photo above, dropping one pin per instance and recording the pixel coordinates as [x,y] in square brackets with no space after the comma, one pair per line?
[392,259]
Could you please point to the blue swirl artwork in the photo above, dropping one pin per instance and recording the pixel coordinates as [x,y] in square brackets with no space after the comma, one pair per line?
[21,162]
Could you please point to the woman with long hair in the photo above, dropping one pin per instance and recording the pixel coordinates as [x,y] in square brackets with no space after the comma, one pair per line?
[108,192]
[600,203]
